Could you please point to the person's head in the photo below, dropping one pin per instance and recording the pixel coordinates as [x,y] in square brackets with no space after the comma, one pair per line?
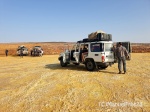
[120,44]
[85,46]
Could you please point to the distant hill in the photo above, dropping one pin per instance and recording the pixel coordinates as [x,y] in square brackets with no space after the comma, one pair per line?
[57,47]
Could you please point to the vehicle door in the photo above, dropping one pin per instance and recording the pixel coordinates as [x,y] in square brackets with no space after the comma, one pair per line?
[96,51]
[66,55]
[76,53]
[128,47]
[109,54]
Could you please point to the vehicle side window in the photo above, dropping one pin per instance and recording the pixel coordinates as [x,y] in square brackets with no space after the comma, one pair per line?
[85,48]
[97,47]
[108,47]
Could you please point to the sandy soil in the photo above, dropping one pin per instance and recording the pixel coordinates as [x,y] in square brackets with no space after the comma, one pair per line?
[39,84]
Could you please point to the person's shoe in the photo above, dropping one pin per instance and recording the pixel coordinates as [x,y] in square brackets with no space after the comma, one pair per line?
[124,73]
[119,72]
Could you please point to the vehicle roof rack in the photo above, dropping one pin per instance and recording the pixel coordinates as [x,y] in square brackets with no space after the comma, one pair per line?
[80,41]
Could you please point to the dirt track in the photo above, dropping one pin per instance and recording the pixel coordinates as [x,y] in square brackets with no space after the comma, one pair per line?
[35,84]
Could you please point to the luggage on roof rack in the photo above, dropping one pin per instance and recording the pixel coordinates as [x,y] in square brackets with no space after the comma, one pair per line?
[99,37]
[94,34]
[104,37]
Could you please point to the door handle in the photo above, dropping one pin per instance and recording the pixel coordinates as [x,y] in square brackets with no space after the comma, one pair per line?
[96,54]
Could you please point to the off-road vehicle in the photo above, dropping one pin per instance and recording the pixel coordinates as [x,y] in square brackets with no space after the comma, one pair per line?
[37,51]
[99,52]
[25,50]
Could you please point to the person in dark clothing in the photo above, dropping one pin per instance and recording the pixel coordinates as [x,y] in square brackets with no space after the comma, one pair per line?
[84,52]
[34,51]
[6,52]
[31,52]
[21,52]
[121,53]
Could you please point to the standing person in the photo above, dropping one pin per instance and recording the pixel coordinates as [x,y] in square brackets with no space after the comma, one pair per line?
[84,52]
[31,52]
[34,51]
[6,52]
[21,52]
[121,53]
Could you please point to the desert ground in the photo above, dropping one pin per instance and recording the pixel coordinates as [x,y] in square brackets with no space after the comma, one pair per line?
[40,84]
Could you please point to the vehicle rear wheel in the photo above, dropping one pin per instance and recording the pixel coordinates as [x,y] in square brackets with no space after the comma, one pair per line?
[62,63]
[90,65]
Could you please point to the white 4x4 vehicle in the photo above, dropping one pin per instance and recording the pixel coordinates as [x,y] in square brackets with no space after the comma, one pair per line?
[25,50]
[99,53]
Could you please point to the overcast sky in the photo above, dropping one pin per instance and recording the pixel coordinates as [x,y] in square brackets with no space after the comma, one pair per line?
[73,20]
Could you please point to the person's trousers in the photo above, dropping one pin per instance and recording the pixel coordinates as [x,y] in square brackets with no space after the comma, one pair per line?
[122,60]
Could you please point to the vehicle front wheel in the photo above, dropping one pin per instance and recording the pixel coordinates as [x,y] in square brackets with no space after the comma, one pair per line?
[90,65]
[62,63]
